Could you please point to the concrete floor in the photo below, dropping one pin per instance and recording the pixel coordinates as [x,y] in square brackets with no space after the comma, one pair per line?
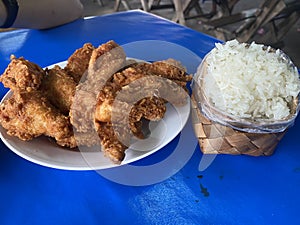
[291,40]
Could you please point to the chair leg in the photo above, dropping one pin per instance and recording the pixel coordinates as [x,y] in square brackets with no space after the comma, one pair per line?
[193,4]
[124,3]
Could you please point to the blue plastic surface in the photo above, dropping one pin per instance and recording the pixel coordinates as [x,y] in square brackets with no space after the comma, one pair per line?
[231,190]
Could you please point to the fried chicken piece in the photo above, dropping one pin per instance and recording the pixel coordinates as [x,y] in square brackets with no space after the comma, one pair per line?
[129,114]
[128,75]
[171,82]
[21,74]
[120,82]
[135,96]
[112,147]
[104,62]
[151,108]
[167,69]
[115,136]
[59,88]
[27,115]
[133,84]
[105,100]
[108,93]
[78,62]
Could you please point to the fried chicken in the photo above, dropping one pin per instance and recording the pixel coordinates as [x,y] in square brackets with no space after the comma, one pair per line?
[21,74]
[120,82]
[104,62]
[78,62]
[173,82]
[59,88]
[112,147]
[98,99]
[133,96]
[169,69]
[128,112]
[27,115]
[143,81]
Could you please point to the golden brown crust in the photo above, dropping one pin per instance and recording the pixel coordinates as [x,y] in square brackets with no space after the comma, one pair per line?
[113,148]
[150,108]
[22,74]
[104,62]
[127,76]
[132,97]
[78,62]
[59,88]
[29,114]
[107,107]
[164,69]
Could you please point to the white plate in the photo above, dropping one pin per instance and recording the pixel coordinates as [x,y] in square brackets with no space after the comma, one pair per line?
[45,152]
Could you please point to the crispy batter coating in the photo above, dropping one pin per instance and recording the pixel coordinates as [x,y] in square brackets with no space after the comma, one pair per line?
[22,74]
[151,108]
[133,96]
[59,87]
[129,81]
[120,82]
[29,114]
[105,101]
[172,86]
[112,147]
[128,75]
[167,69]
[78,62]
[104,62]
[97,99]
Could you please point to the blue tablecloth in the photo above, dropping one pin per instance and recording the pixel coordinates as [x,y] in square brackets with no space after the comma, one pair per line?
[231,190]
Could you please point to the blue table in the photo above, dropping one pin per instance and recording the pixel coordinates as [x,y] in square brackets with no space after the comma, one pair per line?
[231,190]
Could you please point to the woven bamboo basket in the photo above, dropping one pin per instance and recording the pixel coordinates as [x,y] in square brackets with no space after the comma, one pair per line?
[215,138]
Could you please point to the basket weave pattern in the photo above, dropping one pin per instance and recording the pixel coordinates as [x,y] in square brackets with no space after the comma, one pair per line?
[215,138]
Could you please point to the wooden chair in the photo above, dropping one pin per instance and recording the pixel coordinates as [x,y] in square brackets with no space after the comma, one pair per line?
[278,27]
[244,25]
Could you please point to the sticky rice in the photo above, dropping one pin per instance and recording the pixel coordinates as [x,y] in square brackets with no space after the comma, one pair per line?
[250,81]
